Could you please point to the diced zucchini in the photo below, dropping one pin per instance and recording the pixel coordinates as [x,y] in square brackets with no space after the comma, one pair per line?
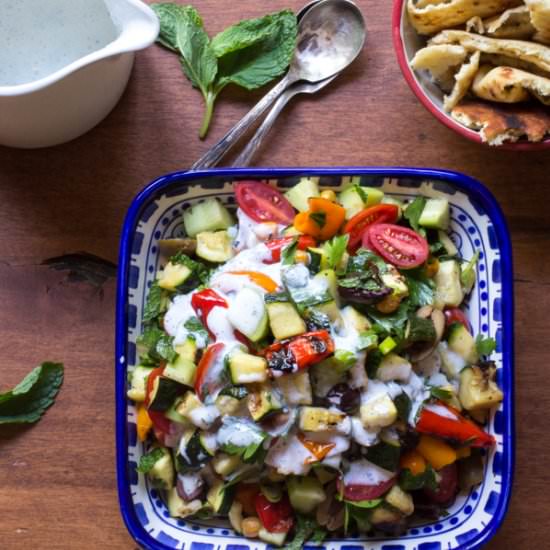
[299,194]
[189,402]
[173,414]
[394,367]
[284,320]
[225,464]
[463,343]
[478,389]
[436,214]
[448,285]
[305,493]
[382,514]
[191,455]
[355,319]
[332,311]
[451,363]
[227,405]
[329,276]
[209,215]
[296,388]
[164,393]
[187,350]
[387,345]
[325,475]
[182,370]
[319,419]
[173,275]
[356,197]
[178,508]
[384,454]
[276,539]
[401,500]
[248,314]
[468,274]
[446,241]
[378,412]
[246,368]
[263,402]
[208,443]
[162,472]
[394,280]
[220,498]
[138,383]
[214,246]
[324,376]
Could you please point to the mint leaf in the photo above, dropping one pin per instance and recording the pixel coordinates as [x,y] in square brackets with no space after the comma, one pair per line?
[160,345]
[410,482]
[169,14]
[195,327]
[154,304]
[305,529]
[28,401]
[413,212]
[335,250]
[289,252]
[147,461]
[201,273]
[485,346]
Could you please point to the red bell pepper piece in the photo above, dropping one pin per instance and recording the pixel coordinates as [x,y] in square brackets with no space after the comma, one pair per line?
[301,351]
[202,379]
[443,421]
[277,245]
[160,422]
[204,301]
[276,517]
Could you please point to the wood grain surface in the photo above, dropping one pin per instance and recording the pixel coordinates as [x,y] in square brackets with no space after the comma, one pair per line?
[58,477]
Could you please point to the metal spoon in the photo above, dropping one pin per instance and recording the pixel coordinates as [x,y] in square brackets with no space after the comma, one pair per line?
[331,34]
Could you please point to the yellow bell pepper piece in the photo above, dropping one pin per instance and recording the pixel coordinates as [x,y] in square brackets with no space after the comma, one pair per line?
[413,461]
[144,423]
[436,452]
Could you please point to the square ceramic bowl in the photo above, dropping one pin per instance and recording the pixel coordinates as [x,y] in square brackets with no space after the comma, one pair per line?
[407,42]
[477,224]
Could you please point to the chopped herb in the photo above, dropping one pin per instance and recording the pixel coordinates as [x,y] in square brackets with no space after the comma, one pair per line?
[288,253]
[306,529]
[485,346]
[196,328]
[374,358]
[320,218]
[335,250]
[410,482]
[148,461]
[413,212]
[159,344]
[367,339]
[393,323]
[200,274]
[155,304]
[441,393]
[421,290]
[403,405]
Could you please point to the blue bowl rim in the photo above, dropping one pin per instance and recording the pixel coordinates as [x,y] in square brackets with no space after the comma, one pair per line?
[470,186]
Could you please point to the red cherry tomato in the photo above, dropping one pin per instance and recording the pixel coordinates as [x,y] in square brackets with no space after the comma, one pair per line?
[454,315]
[246,495]
[263,203]
[356,226]
[448,485]
[202,380]
[277,245]
[398,245]
[276,517]
[357,492]
[160,422]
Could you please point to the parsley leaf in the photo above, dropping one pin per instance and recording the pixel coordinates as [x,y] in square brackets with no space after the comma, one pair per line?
[485,346]
[410,482]
[393,323]
[306,528]
[413,212]
[147,461]
[28,401]
[320,218]
[335,250]
[289,252]
[421,290]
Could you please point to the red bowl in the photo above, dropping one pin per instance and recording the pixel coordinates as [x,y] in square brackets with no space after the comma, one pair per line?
[407,42]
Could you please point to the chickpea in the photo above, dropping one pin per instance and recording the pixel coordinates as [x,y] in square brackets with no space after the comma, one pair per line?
[328,194]
[251,527]
[301,257]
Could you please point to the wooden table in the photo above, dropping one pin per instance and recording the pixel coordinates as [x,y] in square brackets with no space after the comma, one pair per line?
[58,477]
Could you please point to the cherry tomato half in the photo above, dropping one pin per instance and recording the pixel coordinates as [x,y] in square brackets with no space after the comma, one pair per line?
[263,203]
[356,226]
[356,492]
[160,422]
[208,359]
[276,517]
[448,485]
[455,315]
[398,245]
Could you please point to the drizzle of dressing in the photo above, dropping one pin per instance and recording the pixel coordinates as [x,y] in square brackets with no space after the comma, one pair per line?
[363,472]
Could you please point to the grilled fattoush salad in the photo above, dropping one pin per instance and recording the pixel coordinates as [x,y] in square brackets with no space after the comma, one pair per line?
[306,368]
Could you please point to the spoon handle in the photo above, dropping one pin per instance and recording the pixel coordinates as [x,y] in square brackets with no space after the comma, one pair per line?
[252,147]
[214,155]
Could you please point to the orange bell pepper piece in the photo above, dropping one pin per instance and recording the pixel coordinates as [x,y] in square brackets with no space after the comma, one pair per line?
[414,462]
[436,452]
[318,450]
[144,422]
[323,219]
[260,279]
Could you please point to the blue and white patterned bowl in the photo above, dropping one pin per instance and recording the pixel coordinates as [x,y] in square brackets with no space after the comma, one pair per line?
[477,224]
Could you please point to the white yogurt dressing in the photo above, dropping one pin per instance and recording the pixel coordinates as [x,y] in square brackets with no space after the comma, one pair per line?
[363,472]
[37,38]
[288,456]
[179,312]
[250,232]
[203,417]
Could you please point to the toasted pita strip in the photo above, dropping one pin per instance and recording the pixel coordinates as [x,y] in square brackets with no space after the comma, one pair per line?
[429,18]
[498,125]
[540,18]
[513,23]
[463,81]
[509,85]
[538,54]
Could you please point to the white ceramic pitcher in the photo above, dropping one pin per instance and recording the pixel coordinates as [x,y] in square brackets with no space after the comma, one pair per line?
[64,65]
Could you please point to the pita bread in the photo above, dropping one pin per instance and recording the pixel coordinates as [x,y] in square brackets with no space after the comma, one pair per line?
[475,24]
[540,18]
[463,81]
[497,125]
[430,17]
[441,61]
[513,23]
[509,85]
[537,54]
